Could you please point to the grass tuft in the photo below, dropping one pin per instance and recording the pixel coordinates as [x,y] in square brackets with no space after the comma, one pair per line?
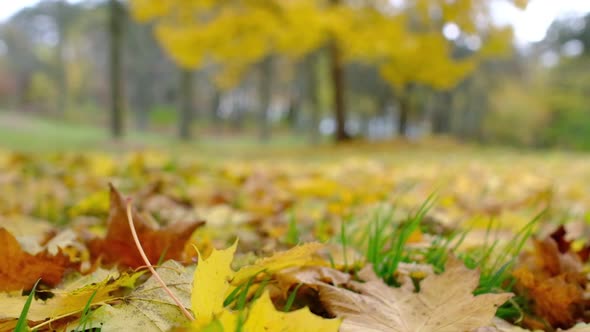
[21,324]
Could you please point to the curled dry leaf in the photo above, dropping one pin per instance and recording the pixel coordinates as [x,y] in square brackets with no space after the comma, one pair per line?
[118,246]
[20,270]
[444,304]
[565,235]
[554,283]
[311,276]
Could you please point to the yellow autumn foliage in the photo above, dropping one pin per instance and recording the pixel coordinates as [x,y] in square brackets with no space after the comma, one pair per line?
[404,41]
[211,285]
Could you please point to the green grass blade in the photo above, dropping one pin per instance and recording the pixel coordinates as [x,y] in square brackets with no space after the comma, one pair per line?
[21,324]
[291,298]
[86,312]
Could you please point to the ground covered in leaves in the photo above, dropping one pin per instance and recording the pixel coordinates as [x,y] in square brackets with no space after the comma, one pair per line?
[341,241]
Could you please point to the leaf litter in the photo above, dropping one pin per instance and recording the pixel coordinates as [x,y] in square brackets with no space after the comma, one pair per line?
[276,278]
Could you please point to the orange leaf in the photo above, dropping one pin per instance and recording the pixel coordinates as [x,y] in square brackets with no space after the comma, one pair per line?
[20,270]
[118,245]
[553,281]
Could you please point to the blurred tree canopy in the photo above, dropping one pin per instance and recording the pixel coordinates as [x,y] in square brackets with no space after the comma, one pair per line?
[370,68]
[405,42]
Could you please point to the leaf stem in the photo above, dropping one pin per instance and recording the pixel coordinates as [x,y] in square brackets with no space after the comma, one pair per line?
[186,313]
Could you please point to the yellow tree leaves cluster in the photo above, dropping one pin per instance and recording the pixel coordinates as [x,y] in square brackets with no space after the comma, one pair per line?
[404,40]
[232,34]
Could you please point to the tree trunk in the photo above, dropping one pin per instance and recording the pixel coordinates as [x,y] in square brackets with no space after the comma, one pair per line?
[265,98]
[62,85]
[185,118]
[237,113]
[404,112]
[293,112]
[311,83]
[115,63]
[337,75]
[214,107]
[441,120]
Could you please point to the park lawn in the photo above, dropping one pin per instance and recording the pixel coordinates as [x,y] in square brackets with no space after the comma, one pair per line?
[386,204]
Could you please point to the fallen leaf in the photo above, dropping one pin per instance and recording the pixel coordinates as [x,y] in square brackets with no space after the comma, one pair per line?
[577,328]
[263,316]
[565,235]
[500,325]
[118,245]
[211,286]
[29,232]
[312,276]
[554,299]
[297,256]
[20,270]
[444,304]
[149,306]
[68,302]
[554,284]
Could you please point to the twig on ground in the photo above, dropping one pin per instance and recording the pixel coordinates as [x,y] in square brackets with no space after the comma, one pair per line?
[149,265]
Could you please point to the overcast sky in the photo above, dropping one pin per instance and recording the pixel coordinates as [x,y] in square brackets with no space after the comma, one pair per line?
[530,25]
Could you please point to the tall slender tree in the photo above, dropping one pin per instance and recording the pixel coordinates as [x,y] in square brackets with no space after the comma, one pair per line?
[116,12]
[62,83]
[265,92]
[185,117]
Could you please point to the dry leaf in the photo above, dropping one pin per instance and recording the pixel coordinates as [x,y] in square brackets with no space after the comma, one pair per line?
[565,235]
[20,270]
[149,306]
[311,276]
[118,245]
[577,328]
[500,325]
[554,283]
[67,302]
[444,304]
[29,232]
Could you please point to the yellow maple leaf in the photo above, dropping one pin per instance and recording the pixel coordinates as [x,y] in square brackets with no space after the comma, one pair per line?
[211,286]
[264,317]
[297,256]
[69,301]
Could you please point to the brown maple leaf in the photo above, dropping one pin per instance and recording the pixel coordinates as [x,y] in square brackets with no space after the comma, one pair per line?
[444,304]
[552,279]
[118,245]
[20,270]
